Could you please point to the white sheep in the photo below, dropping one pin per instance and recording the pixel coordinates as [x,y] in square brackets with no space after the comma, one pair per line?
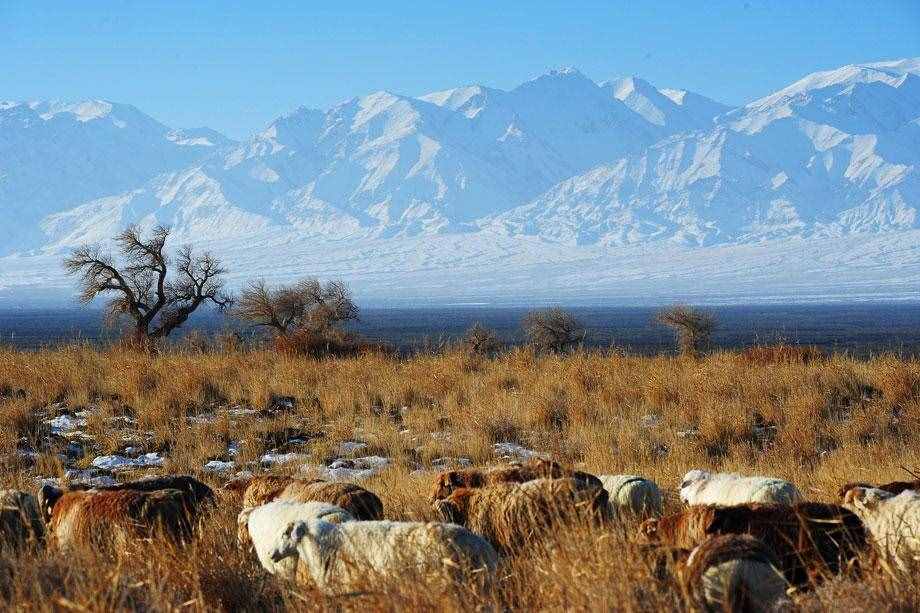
[703,487]
[351,555]
[264,526]
[892,520]
[631,495]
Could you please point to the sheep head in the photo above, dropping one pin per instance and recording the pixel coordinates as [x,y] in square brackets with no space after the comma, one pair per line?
[455,508]
[648,531]
[545,468]
[693,476]
[865,497]
[48,496]
[451,480]
[842,494]
[291,537]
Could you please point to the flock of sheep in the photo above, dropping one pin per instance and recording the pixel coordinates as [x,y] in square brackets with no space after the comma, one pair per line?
[739,543]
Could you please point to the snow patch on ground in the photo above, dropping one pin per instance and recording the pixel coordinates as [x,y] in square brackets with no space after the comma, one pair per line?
[66,423]
[219,466]
[354,469]
[119,462]
[513,451]
[351,447]
[278,459]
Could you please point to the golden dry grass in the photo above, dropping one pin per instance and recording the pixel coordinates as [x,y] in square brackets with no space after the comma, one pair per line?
[818,423]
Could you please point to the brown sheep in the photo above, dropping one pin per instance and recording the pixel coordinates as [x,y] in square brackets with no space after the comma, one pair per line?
[895,487]
[361,503]
[113,517]
[811,539]
[196,496]
[733,572]
[468,478]
[537,468]
[508,514]
[20,520]
[264,488]
[235,489]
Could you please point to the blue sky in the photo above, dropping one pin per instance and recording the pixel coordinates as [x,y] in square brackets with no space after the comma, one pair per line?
[235,68]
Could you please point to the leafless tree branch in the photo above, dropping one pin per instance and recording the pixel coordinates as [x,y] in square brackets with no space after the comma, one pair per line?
[308,304]
[140,288]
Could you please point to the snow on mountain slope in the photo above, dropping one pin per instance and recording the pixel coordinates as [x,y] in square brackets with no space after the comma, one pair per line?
[54,156]
[675,109]
[199,137]
[836,152]
[857,99]
[382,165]
[556,185]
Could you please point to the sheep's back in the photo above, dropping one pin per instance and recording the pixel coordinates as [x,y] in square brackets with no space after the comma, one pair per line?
[509,515]
[361,503]
[733,572]
[436,546]
[98,517]
[632,495]
[730,490]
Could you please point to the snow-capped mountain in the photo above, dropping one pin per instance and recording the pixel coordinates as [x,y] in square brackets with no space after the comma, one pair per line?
[559,169]
[388,165]
[836,152]
[56,156]
[676,110]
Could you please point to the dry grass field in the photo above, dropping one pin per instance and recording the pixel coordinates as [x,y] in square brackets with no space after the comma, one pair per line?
[394,423]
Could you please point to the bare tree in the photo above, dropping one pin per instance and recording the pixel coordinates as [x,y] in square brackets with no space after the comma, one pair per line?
[553,329]
[306,305]
[332,304]
[481,340]
[140,288]
[281,309]
[692,327]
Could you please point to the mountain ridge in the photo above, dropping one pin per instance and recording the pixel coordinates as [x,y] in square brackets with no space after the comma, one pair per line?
[560,158]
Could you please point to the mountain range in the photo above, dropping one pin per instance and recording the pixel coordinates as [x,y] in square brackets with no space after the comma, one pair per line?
[562,188]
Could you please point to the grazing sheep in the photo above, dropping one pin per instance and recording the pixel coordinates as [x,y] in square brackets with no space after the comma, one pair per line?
[196,496]
[20,519]
[111,517]
[550,469]
[262,528]
[810,538]
[892,520]
[531,470]
[632,496]
[449,481]
[263,488]
[733,572]
[235,489]
[361,503]
[895,487]
[508,514]
[703,487]
[353,555]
